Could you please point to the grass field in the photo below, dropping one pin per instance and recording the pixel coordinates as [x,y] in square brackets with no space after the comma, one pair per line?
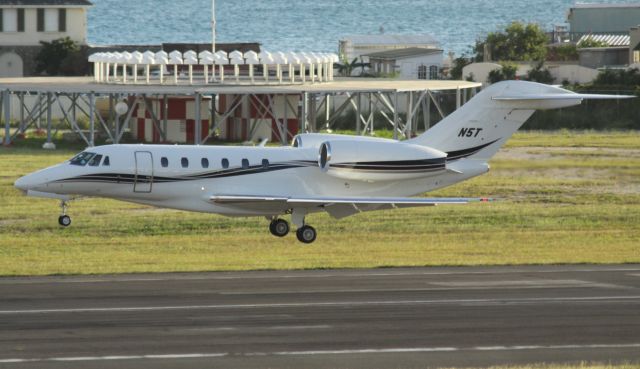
[569,366]
[567,197]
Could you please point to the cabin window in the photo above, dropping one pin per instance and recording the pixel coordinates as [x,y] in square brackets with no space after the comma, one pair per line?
[265,163]
[82,159]
[204,162]
[164,162]
[225,163]
[184,162]
[106,162]
[245,164]
[95,161]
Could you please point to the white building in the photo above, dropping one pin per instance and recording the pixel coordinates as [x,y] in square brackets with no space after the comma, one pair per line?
[355,46]
[25,23]
[409,63]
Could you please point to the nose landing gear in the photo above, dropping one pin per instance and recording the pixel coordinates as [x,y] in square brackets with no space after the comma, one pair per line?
[64,220]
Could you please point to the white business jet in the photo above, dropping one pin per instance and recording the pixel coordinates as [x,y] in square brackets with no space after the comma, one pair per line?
[342,175]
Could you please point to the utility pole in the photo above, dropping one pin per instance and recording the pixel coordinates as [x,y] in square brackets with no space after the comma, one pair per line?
[213,26]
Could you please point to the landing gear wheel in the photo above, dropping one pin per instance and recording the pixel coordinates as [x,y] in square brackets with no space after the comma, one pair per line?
[279,227]
[64,220]
[306,234]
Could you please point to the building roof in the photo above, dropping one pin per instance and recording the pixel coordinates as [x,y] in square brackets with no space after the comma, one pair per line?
[403,53]
[610,39]
[340,85]
[32,3]
[383,39]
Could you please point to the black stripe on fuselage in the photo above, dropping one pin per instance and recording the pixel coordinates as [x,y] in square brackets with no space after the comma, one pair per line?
[460,154]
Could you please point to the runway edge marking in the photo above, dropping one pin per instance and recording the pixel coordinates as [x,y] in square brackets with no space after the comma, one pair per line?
[320,352]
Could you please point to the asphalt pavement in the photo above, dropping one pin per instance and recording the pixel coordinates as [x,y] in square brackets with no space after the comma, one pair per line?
[377,318]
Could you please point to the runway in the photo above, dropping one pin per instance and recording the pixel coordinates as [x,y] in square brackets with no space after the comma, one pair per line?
[379,318]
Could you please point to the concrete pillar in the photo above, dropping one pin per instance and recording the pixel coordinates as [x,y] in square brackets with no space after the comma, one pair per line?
[198,118]
[327,110]
[371,114]
[304,122]
[395,115]
[49,145]
[165,113]
[6,100]
[358,109]
[92,119]
[22,122]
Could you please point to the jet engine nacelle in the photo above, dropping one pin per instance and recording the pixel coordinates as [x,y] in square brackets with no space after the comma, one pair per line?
[379,161]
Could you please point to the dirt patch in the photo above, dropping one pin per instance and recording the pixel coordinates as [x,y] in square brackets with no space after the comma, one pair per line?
[540,153]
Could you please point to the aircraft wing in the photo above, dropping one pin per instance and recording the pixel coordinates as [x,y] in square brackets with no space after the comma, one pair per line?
[337,207]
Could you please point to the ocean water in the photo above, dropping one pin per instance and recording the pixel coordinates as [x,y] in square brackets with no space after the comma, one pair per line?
[316,25]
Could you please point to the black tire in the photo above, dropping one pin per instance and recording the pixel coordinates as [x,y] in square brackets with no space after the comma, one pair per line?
[279,227]
[306,234]
[64,220]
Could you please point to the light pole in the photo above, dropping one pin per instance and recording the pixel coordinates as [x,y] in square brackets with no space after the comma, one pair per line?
[213,26]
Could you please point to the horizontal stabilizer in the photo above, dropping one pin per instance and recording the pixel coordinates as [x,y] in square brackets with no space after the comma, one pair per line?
[561,96]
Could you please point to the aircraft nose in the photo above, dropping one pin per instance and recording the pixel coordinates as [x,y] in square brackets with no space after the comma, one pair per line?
[24,183]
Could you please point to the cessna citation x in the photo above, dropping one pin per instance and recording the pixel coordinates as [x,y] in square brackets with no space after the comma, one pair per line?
[342,175]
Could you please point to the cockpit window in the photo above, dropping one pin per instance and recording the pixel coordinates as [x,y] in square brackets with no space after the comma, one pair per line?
[95,161]
[82,159]
[106,161]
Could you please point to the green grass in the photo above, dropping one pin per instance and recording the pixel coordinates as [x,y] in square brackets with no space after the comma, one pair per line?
[563,203]
[569,366]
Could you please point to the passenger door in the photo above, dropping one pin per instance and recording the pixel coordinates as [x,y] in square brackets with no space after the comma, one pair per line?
[144,172]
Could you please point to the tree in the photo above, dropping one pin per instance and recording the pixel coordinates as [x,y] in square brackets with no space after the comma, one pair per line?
[506,72]
[540,74]
[458,64]
[590,42]
[61,57]
[345,68]
[564,52]
[518,42]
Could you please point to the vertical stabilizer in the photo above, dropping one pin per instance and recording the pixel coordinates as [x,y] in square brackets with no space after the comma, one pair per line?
[480,127]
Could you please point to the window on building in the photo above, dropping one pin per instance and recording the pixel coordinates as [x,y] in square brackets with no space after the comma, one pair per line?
[225,163]
[433,72]
[245,164]
[204,162]
[164,162]
[95,161]
[51,18]
[106,162]
[422,72]
[9,20]
[184,162]
[265,163]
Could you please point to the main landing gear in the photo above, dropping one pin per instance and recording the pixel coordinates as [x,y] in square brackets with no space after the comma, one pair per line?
[304,233]
[279,227]
[64,220]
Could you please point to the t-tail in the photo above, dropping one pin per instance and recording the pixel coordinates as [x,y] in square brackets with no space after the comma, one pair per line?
[479,128]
